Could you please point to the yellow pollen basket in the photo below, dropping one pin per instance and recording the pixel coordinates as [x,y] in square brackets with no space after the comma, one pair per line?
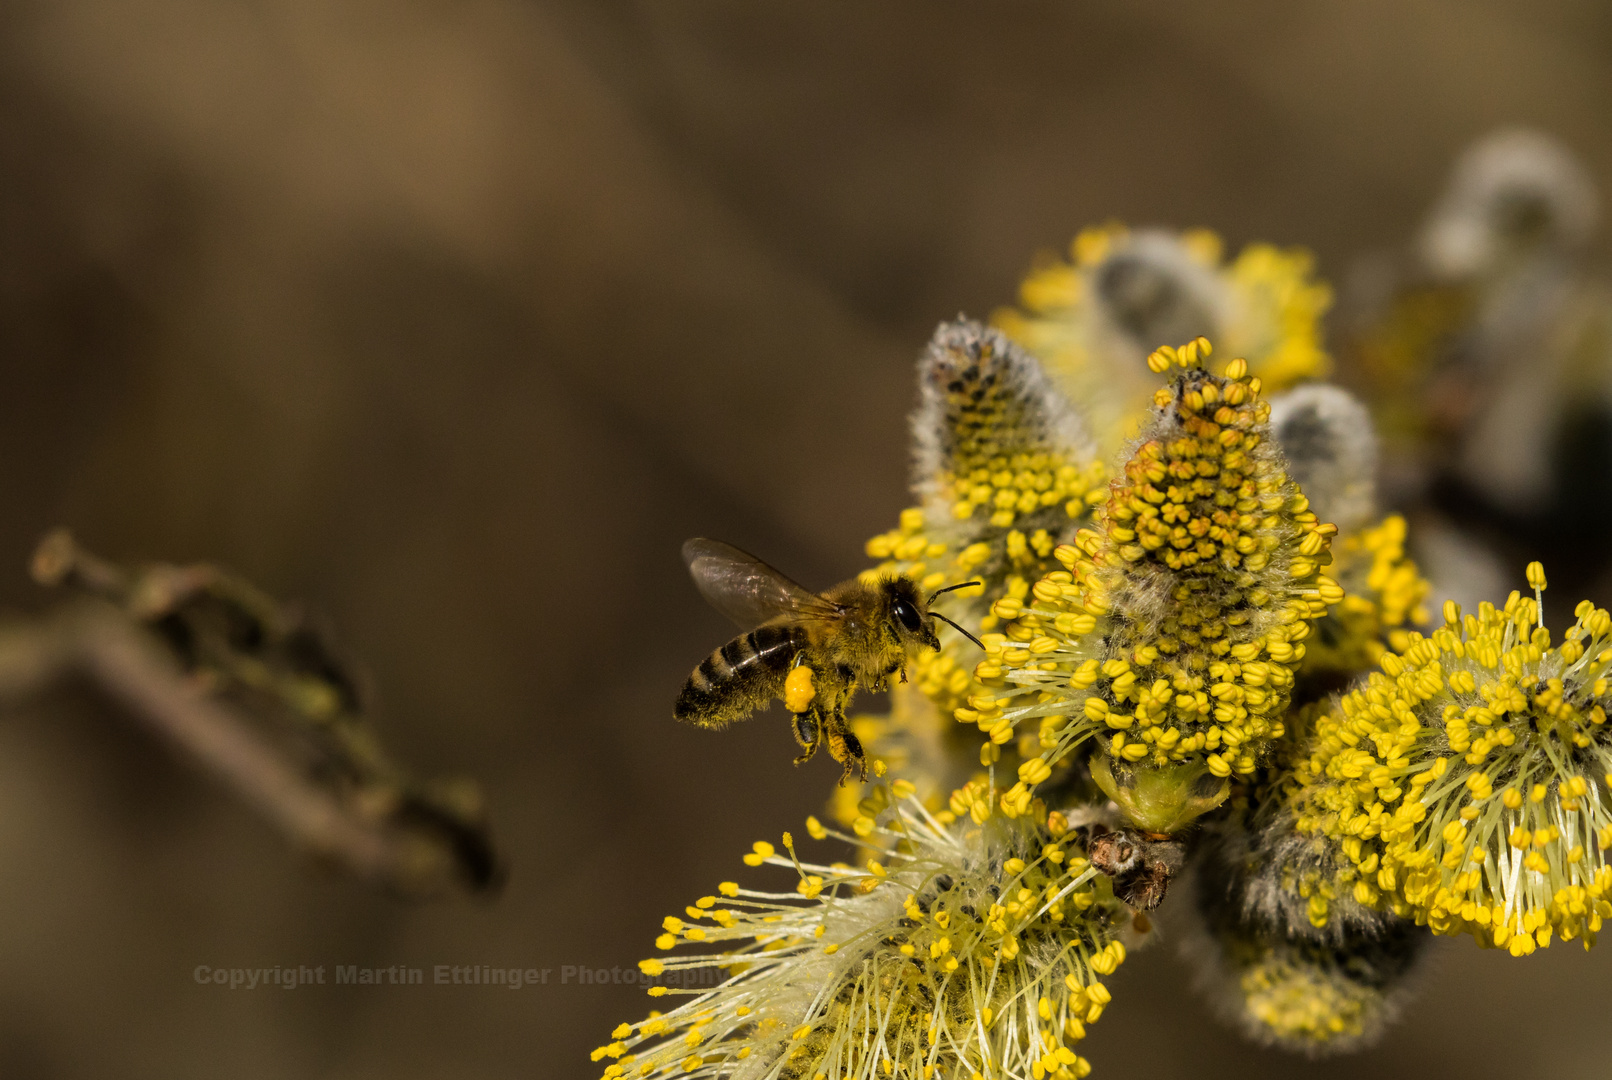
[799,693]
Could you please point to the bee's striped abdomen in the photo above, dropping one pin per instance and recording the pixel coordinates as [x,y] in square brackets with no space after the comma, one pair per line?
[740,677]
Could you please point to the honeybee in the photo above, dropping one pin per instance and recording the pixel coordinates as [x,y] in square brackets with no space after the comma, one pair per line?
[854,635]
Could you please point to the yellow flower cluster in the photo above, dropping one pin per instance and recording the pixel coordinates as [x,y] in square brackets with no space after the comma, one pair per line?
[1206,579]
[1276,315]
[1005,561]
[996,444]
[1266,967]
[1313,997]
[1167,634]
[958,950]
[916,742]
[1007,473]
[1125,293]
[1383,592]
[1466,782]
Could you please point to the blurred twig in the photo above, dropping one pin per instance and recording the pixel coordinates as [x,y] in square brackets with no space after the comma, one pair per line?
[247,689]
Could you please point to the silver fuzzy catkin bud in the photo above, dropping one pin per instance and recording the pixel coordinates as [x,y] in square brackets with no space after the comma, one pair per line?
[1264,966]
[1331,447]
[1514,195]
[1153,292]
[985,407]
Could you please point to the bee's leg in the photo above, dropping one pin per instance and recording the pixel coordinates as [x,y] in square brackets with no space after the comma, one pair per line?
[808,732]
[845,747]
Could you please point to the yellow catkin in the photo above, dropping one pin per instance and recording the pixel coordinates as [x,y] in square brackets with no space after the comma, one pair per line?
[972,958]
[1384,596]
[1005,472]
[1467,777]
[1202,528]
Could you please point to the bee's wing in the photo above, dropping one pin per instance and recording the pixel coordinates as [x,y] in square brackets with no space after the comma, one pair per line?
[747,590]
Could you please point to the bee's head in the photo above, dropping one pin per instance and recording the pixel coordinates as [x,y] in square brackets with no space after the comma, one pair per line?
[910,615]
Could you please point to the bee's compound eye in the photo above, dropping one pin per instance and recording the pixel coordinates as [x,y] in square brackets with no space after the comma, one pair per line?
[908,616]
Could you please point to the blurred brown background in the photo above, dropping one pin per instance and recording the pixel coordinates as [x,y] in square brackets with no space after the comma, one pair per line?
[453,318]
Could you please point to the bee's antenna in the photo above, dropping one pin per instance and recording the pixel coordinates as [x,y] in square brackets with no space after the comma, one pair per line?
[954,626]
[948,589]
